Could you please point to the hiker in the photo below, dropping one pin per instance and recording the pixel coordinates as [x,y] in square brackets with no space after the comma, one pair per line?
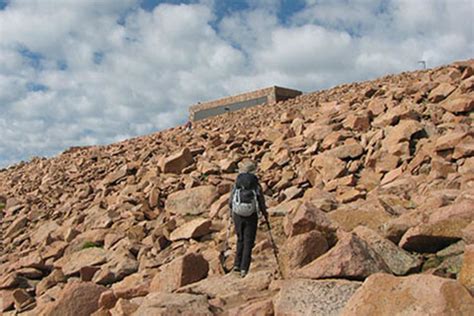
[246,203]
[188,126]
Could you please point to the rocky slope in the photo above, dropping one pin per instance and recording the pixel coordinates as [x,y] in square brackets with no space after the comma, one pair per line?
[371,194]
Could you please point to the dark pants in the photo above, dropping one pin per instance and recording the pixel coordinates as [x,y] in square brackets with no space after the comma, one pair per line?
[246,230]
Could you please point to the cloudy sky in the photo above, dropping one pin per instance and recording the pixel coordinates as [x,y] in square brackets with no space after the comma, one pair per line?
[84,72]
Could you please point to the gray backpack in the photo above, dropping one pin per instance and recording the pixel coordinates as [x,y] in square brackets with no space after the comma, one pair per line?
[247,207]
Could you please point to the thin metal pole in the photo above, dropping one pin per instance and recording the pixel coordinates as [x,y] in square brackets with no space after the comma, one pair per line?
[274,246]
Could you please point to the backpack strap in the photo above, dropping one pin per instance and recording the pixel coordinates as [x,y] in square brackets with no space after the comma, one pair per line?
[237,196]
[257,205]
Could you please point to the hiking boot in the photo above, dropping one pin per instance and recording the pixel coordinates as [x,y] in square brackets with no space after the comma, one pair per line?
[243,273]
[236,269]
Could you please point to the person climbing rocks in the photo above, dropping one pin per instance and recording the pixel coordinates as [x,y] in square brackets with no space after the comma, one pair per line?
[246,204]
[188,126]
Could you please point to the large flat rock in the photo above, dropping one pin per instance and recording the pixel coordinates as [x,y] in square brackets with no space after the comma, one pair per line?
[192,201]
[231,286]
[350,258]
[421,294]
[72,263]
[398,260]
[76,299]
[165,304]
[314,297]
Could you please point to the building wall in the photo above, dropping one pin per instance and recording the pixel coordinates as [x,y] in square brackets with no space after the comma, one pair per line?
[221,109]
[283,94]
[229,104]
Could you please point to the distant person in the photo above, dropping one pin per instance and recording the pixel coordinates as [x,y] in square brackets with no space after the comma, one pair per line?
[246,202]
[188,126]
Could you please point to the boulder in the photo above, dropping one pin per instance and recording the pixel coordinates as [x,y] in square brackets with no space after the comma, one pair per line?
[398,260]
[193,229]
[386,162]
[419,294]
[11,280]
[55,250]
[260,307]
[403,131]
[394,115]
[217,206]
[466,276]
[395,228]
[302,220]
[177,162]
[366,213]
[16,227]
[55,277]
[314,297]
[165,304]
[298,126]
[376,107]
[349,150]
[350,195]
[42,232]
[97,218]
[350,258]
[228,165]
[87,273]
[6,300]
[134,285]
[22,299]
[332,139]
[347,181]
[441,92]
[459,105]
[76,299]
[230,288]
[329,167]
[118,266]
[71,264]
[443,227]
[87,238]
[360,123]
[307,218]
[123,307]
[116,176]
[30,273]
[323,200]
[302,249]
[184,270]
[292,193]
[464,149]
[468,233]
[317,131]
[449,140]
[192,201]
[207,168]
[284,208]
[32,260]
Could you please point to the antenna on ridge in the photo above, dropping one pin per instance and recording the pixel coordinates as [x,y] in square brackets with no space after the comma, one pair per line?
[422,62]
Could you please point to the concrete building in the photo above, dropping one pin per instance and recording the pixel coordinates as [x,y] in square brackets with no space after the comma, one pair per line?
[269,95]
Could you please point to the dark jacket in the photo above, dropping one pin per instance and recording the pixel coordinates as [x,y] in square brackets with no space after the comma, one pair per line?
[249,181]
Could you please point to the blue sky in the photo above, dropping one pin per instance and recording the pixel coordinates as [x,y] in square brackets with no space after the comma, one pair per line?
[98,71]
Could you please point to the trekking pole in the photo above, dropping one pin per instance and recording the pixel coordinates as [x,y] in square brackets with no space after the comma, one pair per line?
[225,248]
[274,246]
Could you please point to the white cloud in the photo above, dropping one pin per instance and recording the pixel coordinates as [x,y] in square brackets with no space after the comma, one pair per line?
[99,81]
[303,49]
